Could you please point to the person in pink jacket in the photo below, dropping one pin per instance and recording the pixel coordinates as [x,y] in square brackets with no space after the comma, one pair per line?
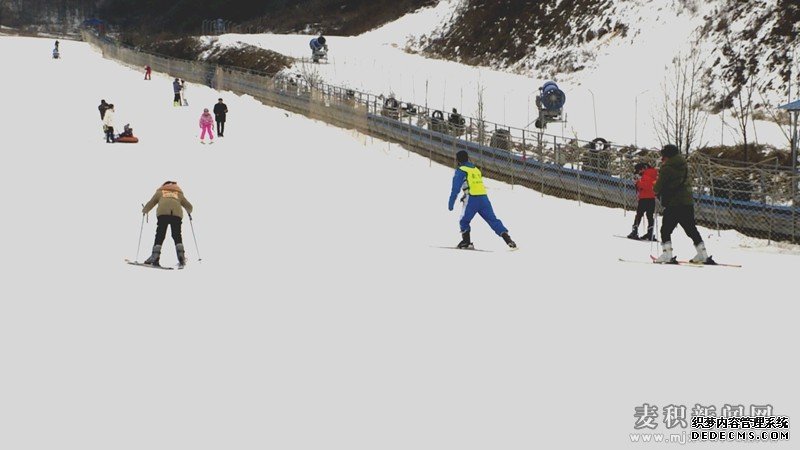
[206,122]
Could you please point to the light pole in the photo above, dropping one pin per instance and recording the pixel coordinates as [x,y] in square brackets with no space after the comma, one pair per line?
[594,110]
[636,118]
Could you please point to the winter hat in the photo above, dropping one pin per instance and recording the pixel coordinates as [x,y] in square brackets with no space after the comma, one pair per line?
[462,157]
[640,166]
[321,40]
[669,151]
[205,110]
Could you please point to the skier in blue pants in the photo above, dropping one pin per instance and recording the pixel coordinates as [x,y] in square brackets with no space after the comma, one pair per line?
[469,180]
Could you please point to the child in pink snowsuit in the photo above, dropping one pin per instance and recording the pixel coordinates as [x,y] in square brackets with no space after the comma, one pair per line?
[206,122]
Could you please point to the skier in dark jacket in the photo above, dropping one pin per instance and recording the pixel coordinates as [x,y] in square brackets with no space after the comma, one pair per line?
[220,111]
[645,179]
[673,188]
[176,89]
[103,108]
[468,179]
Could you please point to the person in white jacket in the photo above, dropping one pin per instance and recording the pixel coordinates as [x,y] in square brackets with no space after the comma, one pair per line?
[108,123]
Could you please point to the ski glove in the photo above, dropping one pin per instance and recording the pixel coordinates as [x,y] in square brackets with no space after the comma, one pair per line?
[449,206]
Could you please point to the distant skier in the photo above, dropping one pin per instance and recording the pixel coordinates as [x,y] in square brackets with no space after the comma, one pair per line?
[56,55]
[184,101]
[102,108]
[456,123]
[206,123]
[456,119]
[108,122]
[176,89]
[147,71]
[468,179]
[220,113]
[645,179]
[56,44]
[171,201]
[319,49]
[673,188]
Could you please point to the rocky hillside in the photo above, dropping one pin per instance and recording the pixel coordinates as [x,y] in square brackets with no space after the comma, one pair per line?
[180,17]
[742,42]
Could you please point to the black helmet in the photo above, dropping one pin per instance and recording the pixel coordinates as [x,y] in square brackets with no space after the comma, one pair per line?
[462,157]
[640,167]
[321,40]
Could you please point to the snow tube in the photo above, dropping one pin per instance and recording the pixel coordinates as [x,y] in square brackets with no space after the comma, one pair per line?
[127,139]
[599,144]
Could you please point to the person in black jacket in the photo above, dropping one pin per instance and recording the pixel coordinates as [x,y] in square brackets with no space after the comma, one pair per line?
[674,188]
[220,111]
[103,108]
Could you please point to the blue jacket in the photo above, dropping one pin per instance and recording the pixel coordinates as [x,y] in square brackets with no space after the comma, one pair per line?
[459,183]
[315,45]
[176,87]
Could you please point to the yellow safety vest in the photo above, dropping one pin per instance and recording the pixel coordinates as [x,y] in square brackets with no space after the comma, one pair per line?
[474,180]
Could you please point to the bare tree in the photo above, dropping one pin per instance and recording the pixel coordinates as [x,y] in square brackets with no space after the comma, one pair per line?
[680,119]
[480,117]
[741,71]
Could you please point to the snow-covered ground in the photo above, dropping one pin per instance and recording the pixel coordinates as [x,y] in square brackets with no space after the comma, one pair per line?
[322,314]
[616,97]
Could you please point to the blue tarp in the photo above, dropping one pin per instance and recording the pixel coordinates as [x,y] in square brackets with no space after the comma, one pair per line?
[793,106]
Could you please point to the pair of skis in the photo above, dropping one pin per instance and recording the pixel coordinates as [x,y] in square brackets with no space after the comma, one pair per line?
[676,262]
[636,240]
[473,249]
[137,263]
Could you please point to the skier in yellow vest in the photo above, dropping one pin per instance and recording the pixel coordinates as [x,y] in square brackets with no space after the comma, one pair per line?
[469,180]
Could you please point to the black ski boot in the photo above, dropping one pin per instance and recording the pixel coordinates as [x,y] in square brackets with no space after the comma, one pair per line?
[634,233]
[508,240]
[153,259]
[181,254]
[649,235]
[465,242]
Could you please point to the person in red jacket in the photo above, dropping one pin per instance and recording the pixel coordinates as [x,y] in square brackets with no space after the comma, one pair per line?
[147,71]
[646,177]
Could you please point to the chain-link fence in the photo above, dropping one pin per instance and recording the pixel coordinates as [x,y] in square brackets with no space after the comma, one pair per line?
[757,200]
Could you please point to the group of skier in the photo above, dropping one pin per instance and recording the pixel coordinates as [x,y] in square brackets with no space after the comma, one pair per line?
[207,121]
[179,91]
[672,187]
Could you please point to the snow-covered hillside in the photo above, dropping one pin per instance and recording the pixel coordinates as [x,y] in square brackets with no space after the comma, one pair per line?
[322,314]
[617,96]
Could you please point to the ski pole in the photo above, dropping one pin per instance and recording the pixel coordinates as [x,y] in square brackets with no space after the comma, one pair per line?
[195,239]
[138,247]
[655,227]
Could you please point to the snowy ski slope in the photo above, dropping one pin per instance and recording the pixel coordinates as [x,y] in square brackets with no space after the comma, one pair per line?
[322,315]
